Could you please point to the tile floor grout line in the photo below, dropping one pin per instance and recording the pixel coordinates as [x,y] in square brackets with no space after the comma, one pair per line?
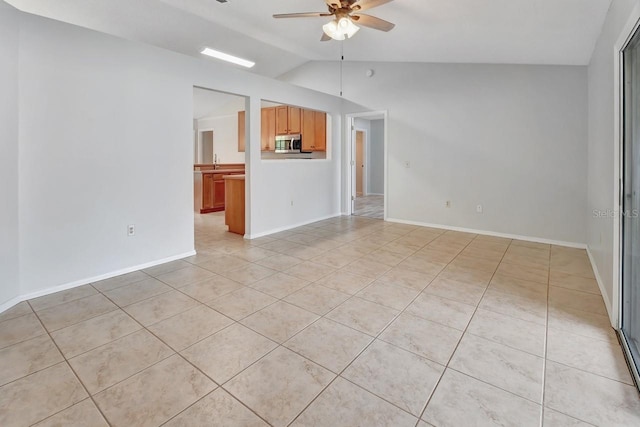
[218,385]
[185,360]
[376,337]
[592,373]
[435,388]
[93,284]
[66,361]
[495,386]
[467,326]
[83,320]
[170,317]
[25,340]
[506,345]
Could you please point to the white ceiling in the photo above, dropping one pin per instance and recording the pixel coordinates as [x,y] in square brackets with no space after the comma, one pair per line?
[477,31]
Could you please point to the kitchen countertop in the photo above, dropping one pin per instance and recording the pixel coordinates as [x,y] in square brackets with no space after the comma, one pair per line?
[238,177]
[222,171]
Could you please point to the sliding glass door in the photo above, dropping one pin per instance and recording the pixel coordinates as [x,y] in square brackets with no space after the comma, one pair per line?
[631,204]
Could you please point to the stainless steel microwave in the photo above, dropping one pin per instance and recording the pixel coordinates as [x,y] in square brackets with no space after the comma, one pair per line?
[288,143]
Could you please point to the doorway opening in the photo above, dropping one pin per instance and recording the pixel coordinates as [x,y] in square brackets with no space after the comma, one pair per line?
[368,166]
[361,172]
[206,146]
[219,125]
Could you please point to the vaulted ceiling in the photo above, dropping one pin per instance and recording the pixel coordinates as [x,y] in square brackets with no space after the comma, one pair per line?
[468,31]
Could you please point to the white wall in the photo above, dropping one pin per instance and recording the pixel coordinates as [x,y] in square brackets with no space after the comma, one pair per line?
[225,137]
[9,29]
[376,157]
[601,145]
[106,141]
[512,138]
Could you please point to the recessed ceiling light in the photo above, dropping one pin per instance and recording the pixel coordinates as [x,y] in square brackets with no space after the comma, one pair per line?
[226,57]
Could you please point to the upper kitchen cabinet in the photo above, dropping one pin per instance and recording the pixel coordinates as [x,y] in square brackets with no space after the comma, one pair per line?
[314,130]
[288,120]
[295,120]
[268,129]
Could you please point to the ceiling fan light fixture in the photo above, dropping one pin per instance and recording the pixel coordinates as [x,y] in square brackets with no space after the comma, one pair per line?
[340,29]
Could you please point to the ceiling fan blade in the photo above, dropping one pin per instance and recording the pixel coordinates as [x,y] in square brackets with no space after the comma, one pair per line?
[333,4]
[325,38]
[302,15]
[373,22]
[360,5]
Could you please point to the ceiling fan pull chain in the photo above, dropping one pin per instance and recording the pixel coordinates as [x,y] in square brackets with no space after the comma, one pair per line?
[341,62]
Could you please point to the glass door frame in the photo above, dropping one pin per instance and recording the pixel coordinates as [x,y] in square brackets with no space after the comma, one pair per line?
[631,29]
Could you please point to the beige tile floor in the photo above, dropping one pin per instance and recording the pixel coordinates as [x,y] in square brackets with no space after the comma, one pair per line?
[370,206]
[346,322]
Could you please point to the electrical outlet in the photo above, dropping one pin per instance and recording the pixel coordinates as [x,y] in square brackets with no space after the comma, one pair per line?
[447,204]
[131,230]
[479,209]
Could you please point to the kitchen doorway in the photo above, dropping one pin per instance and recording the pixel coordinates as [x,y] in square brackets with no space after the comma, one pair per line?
[630,204]
[219,124]
[367,144]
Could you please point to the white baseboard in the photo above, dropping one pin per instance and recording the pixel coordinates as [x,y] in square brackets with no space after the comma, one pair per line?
[86,281]
[605,295]
[289,227]
[492,233]
[7,305]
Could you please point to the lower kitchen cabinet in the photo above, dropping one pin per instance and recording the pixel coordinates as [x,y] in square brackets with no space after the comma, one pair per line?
[209,190]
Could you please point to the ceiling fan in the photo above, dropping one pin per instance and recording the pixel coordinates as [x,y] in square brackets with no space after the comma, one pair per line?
[346,15]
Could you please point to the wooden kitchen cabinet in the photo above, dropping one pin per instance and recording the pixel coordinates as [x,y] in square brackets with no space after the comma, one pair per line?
[207,193]
[320,140]
[288,120]
[282,120]
[212,193]
[314,130]
[268,129]
[209,189]
[295,120]
[235,213]
[241,133]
